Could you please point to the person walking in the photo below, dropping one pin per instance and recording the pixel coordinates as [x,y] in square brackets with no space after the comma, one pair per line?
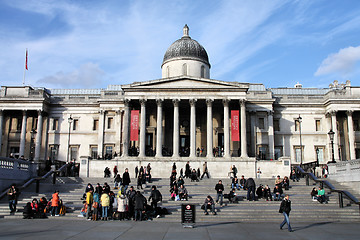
[205,171]
[13,194]
[285,208]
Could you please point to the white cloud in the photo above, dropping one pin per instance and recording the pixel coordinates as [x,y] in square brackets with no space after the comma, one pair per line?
[342,62]
[89,75]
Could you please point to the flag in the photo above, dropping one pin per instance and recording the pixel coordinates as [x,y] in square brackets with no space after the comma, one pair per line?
[26,60]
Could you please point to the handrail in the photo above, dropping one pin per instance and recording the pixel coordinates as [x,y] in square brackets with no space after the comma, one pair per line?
[341,193]
[3,194]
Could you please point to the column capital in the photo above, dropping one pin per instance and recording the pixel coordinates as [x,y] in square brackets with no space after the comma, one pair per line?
[242,102]
[142,101]
[24,112]
[126,102]
[119,111]
[349,112]
[40,112]
[225,101]
[159,101]
[209,102]
[192,101]
[102,111]
[1,112]
[175,101]
[332,112]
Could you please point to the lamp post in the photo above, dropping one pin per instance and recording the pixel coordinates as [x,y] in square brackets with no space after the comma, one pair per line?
[317,156]
[331,134]
[301,151]
[70,120]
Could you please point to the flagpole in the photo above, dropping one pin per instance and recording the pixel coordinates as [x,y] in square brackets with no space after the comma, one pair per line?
[25,67]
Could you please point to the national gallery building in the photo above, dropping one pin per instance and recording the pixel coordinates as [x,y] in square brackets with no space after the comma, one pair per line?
[184,116]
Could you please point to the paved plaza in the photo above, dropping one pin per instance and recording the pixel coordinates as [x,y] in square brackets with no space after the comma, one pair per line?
[81,229]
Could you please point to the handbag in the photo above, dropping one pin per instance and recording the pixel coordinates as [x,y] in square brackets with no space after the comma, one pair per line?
[95,205]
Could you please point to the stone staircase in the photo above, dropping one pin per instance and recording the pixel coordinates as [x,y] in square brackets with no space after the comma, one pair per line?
[303,208]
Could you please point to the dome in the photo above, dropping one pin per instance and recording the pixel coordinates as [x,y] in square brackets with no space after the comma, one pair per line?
[186,48]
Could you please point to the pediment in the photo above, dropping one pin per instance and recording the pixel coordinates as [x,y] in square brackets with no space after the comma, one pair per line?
[185,83]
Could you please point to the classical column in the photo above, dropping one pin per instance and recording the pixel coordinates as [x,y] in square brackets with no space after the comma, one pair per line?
[334,128]
[176,133]
[271,134]
[101,133]
[159,128]
[243,129]
[351,134]
[23,134]
[253,133]
[38,136]
[143,129]
[192,127]
[209,128]
[118,131]
[226,129]
[126,136]
[1,127]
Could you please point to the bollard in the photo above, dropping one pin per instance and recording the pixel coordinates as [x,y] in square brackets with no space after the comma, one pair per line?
[307,180]
[37,185]
[54,178]
[341,202]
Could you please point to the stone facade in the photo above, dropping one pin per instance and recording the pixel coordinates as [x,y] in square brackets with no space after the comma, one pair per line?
[187,116]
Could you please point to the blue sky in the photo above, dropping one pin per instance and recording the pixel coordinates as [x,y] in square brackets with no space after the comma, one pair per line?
[93,44]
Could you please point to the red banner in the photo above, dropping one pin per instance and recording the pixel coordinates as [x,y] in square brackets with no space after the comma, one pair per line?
[134,125]
[235,125]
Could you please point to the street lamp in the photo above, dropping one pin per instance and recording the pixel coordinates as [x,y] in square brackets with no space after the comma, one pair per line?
[317,156]
[70,120]
[331,134]
[301,151]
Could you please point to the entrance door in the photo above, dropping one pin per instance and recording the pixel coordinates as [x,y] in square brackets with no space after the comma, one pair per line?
[184,145]
[149,145]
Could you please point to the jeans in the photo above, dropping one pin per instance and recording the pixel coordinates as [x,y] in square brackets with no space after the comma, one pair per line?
[211,207]
[251,190]
[277,197]
[286,220]
[125,188]
[235,185]
[219,195]
[55,210]
[88,211]
[12,205]
[105,211]
[138,212]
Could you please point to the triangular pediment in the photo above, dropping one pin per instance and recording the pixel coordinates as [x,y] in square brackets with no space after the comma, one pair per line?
[185,83]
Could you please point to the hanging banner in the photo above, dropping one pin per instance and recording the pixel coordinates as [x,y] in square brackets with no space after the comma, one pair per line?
[134,125]
[235,125]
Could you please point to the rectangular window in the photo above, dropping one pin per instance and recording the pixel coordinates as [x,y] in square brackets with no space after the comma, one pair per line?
[278,152]
[94,152]
[319,153]
[110,123]
[261,123]
[317,125]
[19,124]
[108,152]
[73,153]
[298,153]
[276,125]
[95,124]
[54,151]
[75,124]
[55,125]
[262,151]
[34,124]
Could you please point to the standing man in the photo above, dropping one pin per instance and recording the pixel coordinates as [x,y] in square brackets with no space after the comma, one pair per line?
[250,186]
[126,179]
[205,171]
[219,192]
[13,194]
[136,171]
[187,170]
[285,208]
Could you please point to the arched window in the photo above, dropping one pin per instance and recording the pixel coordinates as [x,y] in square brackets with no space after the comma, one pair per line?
[168,71]
[202,71]
[184,69]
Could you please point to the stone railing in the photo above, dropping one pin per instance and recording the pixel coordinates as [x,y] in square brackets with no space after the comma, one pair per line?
[15,171]
[345,171]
